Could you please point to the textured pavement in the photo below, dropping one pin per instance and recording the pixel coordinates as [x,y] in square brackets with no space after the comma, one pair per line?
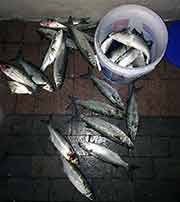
[30,169]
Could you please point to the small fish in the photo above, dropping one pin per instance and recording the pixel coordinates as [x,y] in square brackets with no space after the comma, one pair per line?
[53,24]
[33,71]
[118,53]
[62,145]
[106,44]
[132,120]
[77,179]
[99,107]
[104,154]
[128,57]
[50,33]
[53,50]
[139,61]
[60,64]
[84,46]
[108,91]
[47,33]
[129,39]
[108,130]
[18,88]
[17,75]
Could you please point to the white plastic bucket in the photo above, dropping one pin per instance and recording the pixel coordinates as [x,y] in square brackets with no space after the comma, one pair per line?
[143,20]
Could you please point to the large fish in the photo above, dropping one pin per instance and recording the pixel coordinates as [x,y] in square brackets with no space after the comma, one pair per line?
[62,145]
[128,57]
[53,50]
[17,75]
[129,39]
[108,91]
[33,71]
[132,114]
[18,88]
[60,64]
[108,130]
[104,154]
[100,107]
[84,46]
[77,179]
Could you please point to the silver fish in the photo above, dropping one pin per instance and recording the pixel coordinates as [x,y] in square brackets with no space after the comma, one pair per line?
[129,39]
[36,75]
[18,88]
[139,61]
[108,91]
[108,130]
[46,32]
[53,50]
[132,120]
[62,145]
[106,44]
[118,53]
[77,179]
[128,58]
[17,75]
[84,46]
[50,33]
[100,107]
[59,67]
[104,154]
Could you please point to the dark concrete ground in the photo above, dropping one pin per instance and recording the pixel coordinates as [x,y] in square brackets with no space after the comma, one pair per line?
[30,169]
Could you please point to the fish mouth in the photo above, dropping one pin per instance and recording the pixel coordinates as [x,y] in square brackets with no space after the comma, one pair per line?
[3,67]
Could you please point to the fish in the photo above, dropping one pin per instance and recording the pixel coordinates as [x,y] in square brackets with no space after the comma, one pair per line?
[84,46]
[47,32]
[99,107]
[62,144]
[79,181]
[106,44]
[33,71]
[18,75]
[129,39]
[60,64]
[139,61]
[132,120]
[108,91]
[53,24]
[18,88]
[118,53]
[50,33]
[108,130]
[128,57]
[104,154]
[52,50]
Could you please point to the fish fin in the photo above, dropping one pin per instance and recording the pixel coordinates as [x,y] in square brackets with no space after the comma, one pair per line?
[70,20]
[130,171]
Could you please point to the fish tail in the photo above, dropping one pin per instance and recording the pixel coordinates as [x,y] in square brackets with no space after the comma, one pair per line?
[130,171]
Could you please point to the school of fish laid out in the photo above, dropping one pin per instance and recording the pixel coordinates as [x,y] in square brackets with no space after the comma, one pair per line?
[127,48]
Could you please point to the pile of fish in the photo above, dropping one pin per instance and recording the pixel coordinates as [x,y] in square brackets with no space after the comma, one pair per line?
[117,110]
[127,48]
[64,35]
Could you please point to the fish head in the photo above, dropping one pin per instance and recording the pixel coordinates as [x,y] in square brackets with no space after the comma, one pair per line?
[73,158]
[3,67]
[51,24]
